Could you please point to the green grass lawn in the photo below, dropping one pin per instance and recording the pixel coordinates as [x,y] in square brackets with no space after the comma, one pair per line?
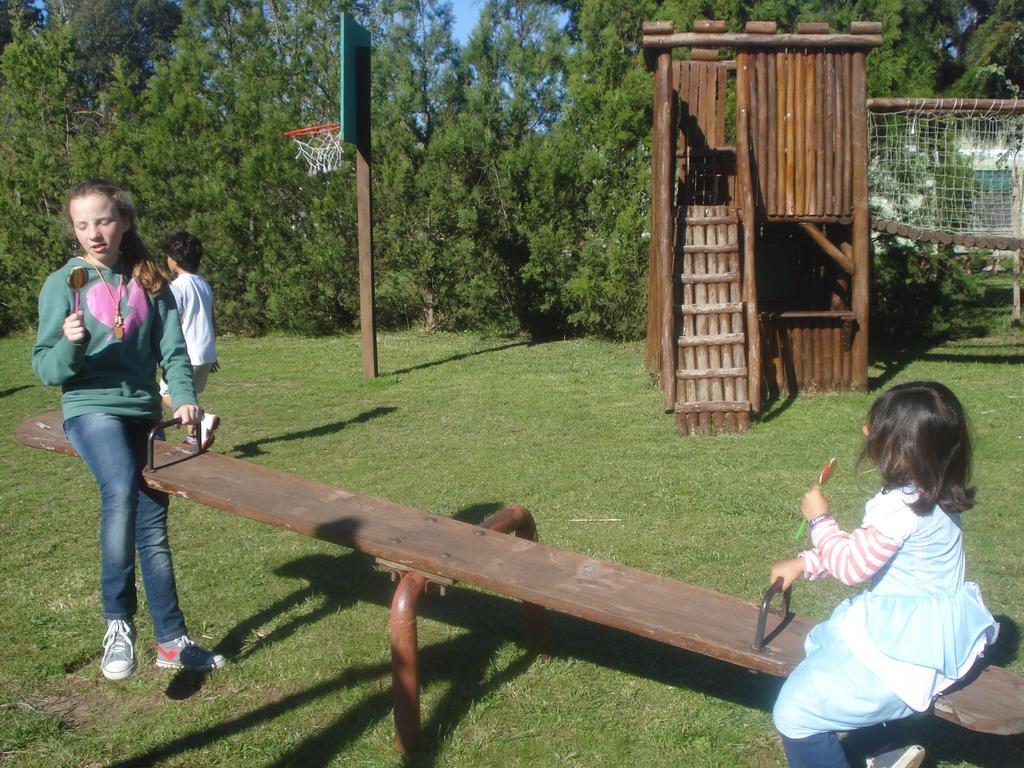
[460,425]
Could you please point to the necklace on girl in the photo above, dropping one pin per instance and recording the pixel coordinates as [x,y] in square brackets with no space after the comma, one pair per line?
[118,329]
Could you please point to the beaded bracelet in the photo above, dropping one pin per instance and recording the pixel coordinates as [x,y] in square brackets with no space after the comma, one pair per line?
[818,518]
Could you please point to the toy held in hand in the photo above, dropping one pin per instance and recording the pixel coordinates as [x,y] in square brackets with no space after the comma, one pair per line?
[826,473]
[77,279]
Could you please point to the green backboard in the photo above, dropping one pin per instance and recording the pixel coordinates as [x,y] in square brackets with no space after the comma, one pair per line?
[353,37]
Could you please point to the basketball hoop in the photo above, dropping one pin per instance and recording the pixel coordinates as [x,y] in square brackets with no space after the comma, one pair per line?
[320,145]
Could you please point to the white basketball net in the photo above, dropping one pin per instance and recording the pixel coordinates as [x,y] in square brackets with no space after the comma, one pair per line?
[321,147]
[956,171]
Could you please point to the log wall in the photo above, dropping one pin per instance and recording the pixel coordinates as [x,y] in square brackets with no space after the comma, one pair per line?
[807,351]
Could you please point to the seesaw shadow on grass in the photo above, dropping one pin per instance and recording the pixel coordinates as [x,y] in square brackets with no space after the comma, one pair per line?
[464,662]
[477,513]
[253,447]
[954,744]
[338,581]
[357,721]
[331,578]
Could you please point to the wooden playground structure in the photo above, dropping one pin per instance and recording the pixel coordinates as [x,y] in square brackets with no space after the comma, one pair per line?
[759,245]
[760,255]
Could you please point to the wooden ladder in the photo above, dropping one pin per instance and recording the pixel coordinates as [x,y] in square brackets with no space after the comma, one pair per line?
[711,379]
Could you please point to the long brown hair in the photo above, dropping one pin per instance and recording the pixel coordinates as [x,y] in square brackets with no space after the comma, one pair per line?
[137,259]
[918,435]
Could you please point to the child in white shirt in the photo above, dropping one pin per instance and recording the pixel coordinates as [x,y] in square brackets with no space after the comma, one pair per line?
[194,298]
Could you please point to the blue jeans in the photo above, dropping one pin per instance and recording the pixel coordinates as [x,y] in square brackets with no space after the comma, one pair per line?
[132,517]
[822,750]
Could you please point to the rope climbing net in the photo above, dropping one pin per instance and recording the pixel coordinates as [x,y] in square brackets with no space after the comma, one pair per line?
[947,167]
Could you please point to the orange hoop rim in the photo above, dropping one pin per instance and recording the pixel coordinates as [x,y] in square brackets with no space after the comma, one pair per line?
[313,130]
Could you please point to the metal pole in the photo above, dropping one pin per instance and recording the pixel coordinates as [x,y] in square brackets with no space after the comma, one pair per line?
[405,668]
[518,520]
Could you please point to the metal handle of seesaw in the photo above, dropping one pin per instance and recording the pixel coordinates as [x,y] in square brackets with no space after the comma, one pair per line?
[152,437]
[762,616]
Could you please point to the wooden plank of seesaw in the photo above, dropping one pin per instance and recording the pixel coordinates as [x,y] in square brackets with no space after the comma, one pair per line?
[642,603]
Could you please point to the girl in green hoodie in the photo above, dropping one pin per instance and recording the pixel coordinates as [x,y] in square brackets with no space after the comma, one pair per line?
[101,342]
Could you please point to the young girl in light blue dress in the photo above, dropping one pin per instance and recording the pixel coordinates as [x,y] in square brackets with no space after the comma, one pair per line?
[890,650]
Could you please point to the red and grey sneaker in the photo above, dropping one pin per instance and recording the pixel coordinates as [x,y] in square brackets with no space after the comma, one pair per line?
[182,653]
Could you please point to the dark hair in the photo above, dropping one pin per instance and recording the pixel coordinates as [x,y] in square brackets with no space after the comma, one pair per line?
[185,248]
[918,435]
[136,257]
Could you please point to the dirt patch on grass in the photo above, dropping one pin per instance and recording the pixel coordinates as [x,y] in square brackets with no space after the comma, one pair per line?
[83,701]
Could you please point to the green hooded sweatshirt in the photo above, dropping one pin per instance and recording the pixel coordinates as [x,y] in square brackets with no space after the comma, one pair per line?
[105,374]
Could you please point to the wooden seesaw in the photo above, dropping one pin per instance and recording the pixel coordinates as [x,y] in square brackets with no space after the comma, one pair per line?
[428,549]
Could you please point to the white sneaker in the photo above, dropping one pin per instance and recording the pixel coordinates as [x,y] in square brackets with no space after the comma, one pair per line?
[209,423]
[904,757]
[118,650]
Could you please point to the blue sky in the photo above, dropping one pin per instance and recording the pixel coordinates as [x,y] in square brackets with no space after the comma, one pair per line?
[466,14]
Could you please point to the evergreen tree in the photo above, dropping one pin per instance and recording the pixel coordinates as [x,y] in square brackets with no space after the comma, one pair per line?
[606,128]
[993,50]
[515,59]
[138,32]
[281,244]
[39,126]
[417,88]
[16,13]
[511,178]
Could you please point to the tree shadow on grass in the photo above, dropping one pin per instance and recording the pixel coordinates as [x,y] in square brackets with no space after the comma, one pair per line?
[893,360]
[12,390]
[995,358]
[253,447]
[462,356]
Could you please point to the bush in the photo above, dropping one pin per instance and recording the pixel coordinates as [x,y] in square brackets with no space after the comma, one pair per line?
[918,291]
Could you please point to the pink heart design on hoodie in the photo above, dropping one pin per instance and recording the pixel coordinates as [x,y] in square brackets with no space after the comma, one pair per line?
[135,311]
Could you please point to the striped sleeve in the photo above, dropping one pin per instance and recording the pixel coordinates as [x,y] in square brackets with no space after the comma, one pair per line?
[851,557]
[813,567]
